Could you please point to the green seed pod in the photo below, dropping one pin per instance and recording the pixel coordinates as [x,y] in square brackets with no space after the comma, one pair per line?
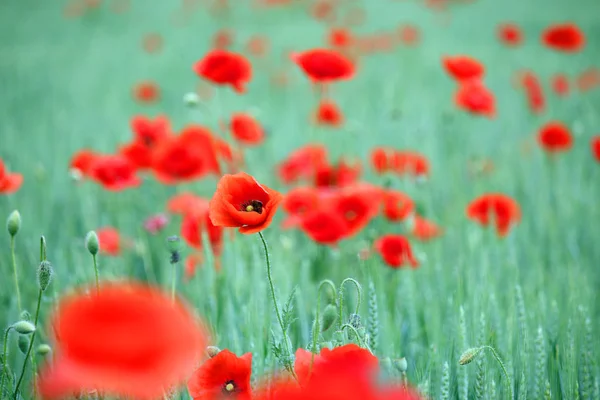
[92,243]
[44,274]
[23,344]
[329,317]
[212,351]
[43,349]
[401,364]
[24,327]
[469,355]
[13,223]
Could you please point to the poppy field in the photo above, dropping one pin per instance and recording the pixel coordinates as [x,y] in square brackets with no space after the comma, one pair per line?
[300,199]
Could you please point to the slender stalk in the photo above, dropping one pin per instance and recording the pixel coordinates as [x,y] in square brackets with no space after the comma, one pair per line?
[279,319]
[96,272]
[360,341]
[317,329]
[174,282]
[14,264]
[3,372]
[508,382]
[341,298]
[37,314]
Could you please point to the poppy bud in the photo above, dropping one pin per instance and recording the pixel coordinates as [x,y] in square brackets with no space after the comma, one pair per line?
[338,337]
[401,364]
[212,351]
[24,327]
[43,349]
[329,317]
[386,363]
[13,223]
[173,245]
[23,343]
[92,243]
[469,355]
[191,99]
[44,274]
[355,321]
[329,295]
[362,332]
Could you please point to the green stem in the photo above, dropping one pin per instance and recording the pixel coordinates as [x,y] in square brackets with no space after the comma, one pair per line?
[174,281]
[360,341]
[96,272]
[37,314]
[14,263]
[341,298]
[279,319]
[3,372]
[497,357]
[317,329]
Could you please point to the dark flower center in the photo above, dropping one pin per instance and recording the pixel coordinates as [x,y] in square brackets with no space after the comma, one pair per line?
[229,388]
[253,206]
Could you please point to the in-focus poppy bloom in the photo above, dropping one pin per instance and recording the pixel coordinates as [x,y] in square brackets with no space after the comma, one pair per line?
[595,144]
[324,226]
[404,162]
[246,130]
[114,172]
[329,114]
[186,157]
[152,43]
[324,65]
[146,92]
[224,375]
[501,209]
[424,229]
[533,91]
[241,202]
[222,39]
[397,206]
[302,163]
[560,85]
[81,163]
[564,37]
[297,202]
[155,343]
[110,241]
[155,223]
[340,38]
[472,96]
[380,160]
[555,137]
[395,250]
[463,68]
[222,67]
[510,34]
[9,182]
[194,224]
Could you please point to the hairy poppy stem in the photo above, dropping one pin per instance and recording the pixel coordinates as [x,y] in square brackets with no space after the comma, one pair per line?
[470,354]
[3,372]
[14,264]
[37,314]
[279,319]
[341,298]
[317,328]
[96,272]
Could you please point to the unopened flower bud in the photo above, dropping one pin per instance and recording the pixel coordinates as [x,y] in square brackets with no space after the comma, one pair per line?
[469,355]
[92,243]
[44,274]
[329,317]
[401,364]
[24,327]
[43,349]
[173,245]
[23,343]
[191,99]
[212,351]
[13,223]
[362,332]
[355,321]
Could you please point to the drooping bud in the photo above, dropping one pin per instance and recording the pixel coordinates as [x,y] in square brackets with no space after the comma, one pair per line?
[13,223]
[469,355]
[24,327]
[212,351]
[173,245]
[329,317]
[401,364]
[23,343]
[44,274]
[92,243]
[43,349]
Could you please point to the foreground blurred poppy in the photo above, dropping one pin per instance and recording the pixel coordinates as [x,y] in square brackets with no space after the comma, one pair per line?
[114,172]
[224,375]
[554,137]
[395,250]
[497,208]
[324,65]
[474,97]
[565,37]
[9,182]
[510,34]
[127,340]
[246,130]
[462,68]
[595,144]
[329,114]
[146,92]
[222,67]
[241,202]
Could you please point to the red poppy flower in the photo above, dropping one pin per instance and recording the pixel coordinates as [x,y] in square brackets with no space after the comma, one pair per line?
[560,85]
[324,226]
[154,344]
[534,92]
[462,68]
[302,163]
[397,206]
[191,263]
[564,37]
[194,224]
[357,205]
[241,202]
[82,161]
[424,229]
[186,157]
[146,92]
[502,209]
[380,160]
[323,10]
[110,241]
[114,172]
[9,182]
[510,34]
[342,174]
[554,137]
[155,223]
[395,250]
[258,46]
[409,34]
[148,134]
[588,79]
[152,43]
[222,39]
[224,375]
[324,65]
[595,144]
[185,203]
[297,202]
[246,130]
[409,163]
[474,97]
[339,38]
[329,114]
[222,67]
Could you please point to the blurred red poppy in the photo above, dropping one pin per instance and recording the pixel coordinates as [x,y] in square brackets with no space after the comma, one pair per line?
[534,92]
[560,85]
[424,229]
[395,250]
[380,160]
[588,79]
[155,223]
[246,129]
[404,162]
[510,34]
[409,34]
[155,343]
[9,182]
[82,161]
[555,137]
[110,240]
[565,37]
[297,202]
[146,92]
[148,135]
[463,68]
[258,46]
[340,38]
[222,39]
[222,67]
[342,174]
[302,163]
[324,65]
[397,206]
[224,375]
[357,205]
[114,172]
[474,97]
[324,226]
[329,114]
[502,210]
[595,144]
[196,222]
[152,43]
